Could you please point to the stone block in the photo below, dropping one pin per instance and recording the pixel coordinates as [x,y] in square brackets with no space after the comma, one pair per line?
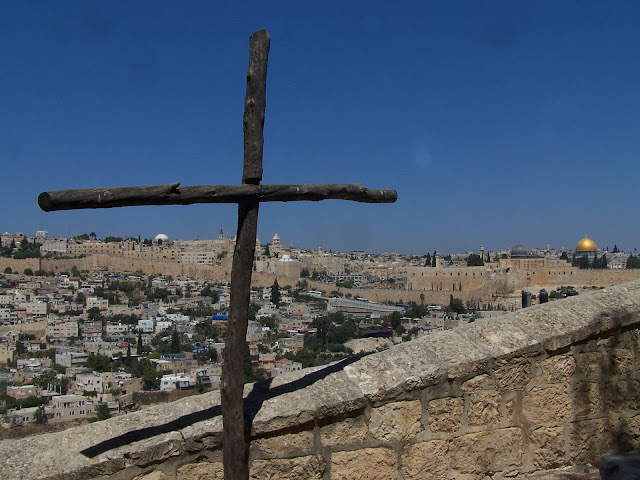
[587,399]
[547,405]
[445,414]
[155,475]
[426,461]
[512,374]
[300,468]
[387,375]
[589,440]
[365,464]
[479,382]
[349,431]
[510,411]
[396,421]
[621,361]
[487,452]
[151,450]
[287,444]
[555,325]
[590,365]
[622,396]
[326,395]
[458,355]
[484,408]
[557,369]
[201,471]
[632,338]
[546,447]
[629,435]
[504,340]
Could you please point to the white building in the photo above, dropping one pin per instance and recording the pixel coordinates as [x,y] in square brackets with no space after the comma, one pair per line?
[97,302]
[114,329]
[37,309]
[69,407]
[58,329]
[71,358]
[8,316]
[163,325]
[89,382]
[147,326]
[175,382]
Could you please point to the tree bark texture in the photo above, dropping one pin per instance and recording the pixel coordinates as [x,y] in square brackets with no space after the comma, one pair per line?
[173,194]
[255,102]
[235,445]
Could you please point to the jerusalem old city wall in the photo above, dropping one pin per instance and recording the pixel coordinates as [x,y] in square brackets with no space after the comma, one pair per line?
[520,396]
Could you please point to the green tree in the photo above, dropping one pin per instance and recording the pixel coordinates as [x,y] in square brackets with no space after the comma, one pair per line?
[458,306]
[8,270]
[209,354]
[39,415]
[275,293]
[583,262]
[93,314]
[633,261]
[208,291]
[175,342]
[395,319]
[102,412]
[100,363]
[139,344]
[81,298]
[28,271]
[19,348]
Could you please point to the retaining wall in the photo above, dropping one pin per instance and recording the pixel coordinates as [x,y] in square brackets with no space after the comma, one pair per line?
[519,396]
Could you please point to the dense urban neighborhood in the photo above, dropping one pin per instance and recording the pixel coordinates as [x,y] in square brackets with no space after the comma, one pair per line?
[82,340]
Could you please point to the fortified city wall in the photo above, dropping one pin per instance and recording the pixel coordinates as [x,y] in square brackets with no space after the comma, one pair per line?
[518,396]
[480,287]
[466,279]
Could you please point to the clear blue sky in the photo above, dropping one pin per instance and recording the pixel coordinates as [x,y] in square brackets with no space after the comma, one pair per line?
[497,122]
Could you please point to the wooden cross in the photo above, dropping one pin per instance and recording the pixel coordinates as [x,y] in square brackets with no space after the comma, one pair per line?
[248,197]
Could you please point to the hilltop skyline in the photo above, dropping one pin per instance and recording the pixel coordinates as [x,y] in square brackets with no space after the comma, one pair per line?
[496,123]
[269,238]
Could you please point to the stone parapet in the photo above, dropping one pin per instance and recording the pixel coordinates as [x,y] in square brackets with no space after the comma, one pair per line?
[527,395]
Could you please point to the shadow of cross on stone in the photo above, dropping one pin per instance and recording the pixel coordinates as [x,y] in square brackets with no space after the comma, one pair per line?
[248,196]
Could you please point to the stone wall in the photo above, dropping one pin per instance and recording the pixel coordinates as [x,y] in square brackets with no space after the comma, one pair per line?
[518,396]
[19,266]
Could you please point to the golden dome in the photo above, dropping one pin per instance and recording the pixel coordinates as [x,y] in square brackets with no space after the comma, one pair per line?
[586,245]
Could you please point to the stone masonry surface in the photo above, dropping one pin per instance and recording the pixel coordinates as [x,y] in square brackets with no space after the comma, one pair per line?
[541,393]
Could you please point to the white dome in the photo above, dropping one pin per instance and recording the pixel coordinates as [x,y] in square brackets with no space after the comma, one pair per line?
[286,258]
[161,236]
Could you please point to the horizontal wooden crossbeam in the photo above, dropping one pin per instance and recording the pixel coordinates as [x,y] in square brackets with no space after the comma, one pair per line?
[173,194]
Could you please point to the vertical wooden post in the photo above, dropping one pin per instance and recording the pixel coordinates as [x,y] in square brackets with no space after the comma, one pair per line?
[235,447]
